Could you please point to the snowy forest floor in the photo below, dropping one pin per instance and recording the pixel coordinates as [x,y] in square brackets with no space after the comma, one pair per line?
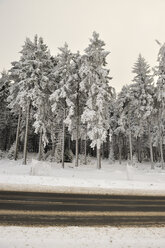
[112,178]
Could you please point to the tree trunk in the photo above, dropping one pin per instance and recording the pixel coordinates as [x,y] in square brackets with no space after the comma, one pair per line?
[81,148]
[40,147]
[139,150]
[85,150]
[111,150]
[130,142]
[98,159]
[53,148]
[26,134]
[151,149]
[161,141]
[130,147]
[77,127]
[69,142]
[77,150]
[63,141]
[103,151]
[8,137]
[119,149]
[161,153]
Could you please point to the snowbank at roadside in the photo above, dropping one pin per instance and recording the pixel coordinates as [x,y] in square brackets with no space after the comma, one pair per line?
[112,178]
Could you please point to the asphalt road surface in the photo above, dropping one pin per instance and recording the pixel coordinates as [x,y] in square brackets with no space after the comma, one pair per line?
[58,209]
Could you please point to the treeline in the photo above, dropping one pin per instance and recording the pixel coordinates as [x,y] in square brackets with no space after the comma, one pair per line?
[64,105]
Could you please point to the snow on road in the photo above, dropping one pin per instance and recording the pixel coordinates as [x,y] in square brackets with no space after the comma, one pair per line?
[82,237]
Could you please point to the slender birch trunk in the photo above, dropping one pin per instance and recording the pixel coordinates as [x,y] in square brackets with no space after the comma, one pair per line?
[17,136]
[63,141]
[26,135]
[151,149]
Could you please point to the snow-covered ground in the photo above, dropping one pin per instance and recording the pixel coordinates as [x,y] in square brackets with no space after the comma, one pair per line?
[81,237]
[113,178]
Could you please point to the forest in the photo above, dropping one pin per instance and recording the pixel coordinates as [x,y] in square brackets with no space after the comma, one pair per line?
[63,107]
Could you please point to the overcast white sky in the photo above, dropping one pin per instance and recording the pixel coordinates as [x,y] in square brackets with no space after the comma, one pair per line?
[128,27]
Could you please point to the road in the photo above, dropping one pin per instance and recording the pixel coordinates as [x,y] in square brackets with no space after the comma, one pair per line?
[58,209]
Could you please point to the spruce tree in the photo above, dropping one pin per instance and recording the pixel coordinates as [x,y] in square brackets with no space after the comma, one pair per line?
[29,79]
[13,100]
[44,66]
[96,84]
[127,117]
[75,102]
[5,115]
[143,100]
[160,97]
[59,97]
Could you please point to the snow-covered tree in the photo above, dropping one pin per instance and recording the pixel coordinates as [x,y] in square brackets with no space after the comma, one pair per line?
[59,97]
[75,102]
[96,83]
[142,91]
[160,97]
[116,129]
[5,116]
[42,76]
[127,117]
[14,105]
[23,84]
[30,76]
